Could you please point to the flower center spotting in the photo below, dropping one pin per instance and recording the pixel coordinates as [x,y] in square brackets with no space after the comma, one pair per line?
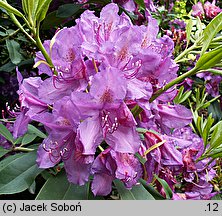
[70,55]
[107,96]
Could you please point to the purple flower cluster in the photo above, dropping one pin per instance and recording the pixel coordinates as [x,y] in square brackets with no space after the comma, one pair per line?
[210,10]
[103,69]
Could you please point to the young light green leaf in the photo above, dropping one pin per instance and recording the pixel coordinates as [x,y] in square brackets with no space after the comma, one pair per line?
[216,138]
[189,27]
[210,59]
[6,133]
[206,129]
[10,9]
[13,49]
[138,192]
[18,172]
[42,9]
[210,32]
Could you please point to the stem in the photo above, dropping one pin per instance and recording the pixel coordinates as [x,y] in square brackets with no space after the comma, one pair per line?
[137,109]
[41,47]
[172,83]
[186,51]
[14,19]
[10,35]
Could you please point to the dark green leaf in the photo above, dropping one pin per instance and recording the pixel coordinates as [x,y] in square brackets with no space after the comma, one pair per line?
[58,188]
[6,133]
[217,197]
[17,172]
[8,67]
[68,10]
[210,32]
[3,151]
[13,49]
[166,187]
[32,188]
[151,190]
[33,130]
[51,21]
[28,138]
[138,192]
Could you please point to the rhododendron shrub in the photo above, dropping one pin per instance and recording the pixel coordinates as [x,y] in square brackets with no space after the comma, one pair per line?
[110,96]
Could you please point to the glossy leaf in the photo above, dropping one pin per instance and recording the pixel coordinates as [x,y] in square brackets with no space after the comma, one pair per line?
[152,190]
[18,172]
[58,188]
[210,32]
[138,192]
[6,133]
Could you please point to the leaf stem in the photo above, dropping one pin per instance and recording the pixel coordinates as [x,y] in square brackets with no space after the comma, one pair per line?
[23,149]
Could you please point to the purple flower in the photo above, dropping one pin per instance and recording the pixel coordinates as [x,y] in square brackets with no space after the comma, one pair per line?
[109,118]
[164,155]
[110,165]
[211,9]
[197,10]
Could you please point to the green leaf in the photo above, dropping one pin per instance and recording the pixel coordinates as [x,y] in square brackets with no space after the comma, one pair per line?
[58,188]
[13,49]
[18,172]
[210,59]
[33,130]
[6,133]
[216,138]
[10,9]
[51,21]
[189,27]
[166,187]
[138,192]
[152,190]
[217,197]
[68,10]
[141,3]
[206,129]
[28,138]
[210,32]
[42,10]
[3,151]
